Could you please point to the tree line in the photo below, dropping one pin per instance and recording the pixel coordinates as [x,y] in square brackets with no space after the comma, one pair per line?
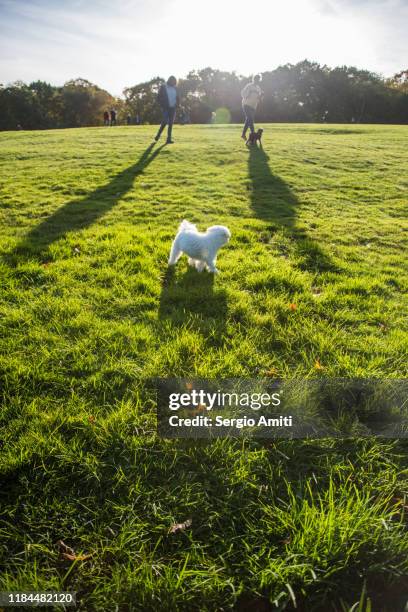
[302,92]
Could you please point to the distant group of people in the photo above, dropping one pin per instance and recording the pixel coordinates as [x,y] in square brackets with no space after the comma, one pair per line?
[133,120]
[109,117]
[168,100]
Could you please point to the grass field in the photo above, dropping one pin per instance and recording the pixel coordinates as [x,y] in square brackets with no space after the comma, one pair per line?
[89,314]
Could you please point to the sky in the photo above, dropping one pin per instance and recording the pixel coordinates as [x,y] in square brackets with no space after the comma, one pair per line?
[117,44]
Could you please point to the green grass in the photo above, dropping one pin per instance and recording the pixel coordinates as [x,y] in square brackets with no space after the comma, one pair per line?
[88,314]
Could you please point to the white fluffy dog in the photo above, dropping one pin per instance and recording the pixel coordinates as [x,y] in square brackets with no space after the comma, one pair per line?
[200,247]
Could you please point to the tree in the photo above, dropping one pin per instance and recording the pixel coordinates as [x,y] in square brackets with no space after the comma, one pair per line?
[48,102]
[306,91]
[19,107]
[142,100]
[399,81]
[83,103]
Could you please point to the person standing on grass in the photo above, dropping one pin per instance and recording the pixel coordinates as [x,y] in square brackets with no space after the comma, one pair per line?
[168,101]
[106,118]
[251,94]
[113,117]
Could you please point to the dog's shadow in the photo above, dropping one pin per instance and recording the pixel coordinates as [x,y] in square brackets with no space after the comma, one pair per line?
[193,299]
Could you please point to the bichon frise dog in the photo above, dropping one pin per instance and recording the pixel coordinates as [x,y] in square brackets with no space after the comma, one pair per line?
[200,247]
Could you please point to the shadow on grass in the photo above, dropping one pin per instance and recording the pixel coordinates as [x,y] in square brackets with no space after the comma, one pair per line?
[79,214]
[273,201]
[179,480]
[192,297]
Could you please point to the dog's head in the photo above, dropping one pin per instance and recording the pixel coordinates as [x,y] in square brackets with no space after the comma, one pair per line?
[220,232]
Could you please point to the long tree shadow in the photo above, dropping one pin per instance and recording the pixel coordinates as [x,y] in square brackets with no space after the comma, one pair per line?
[78,214]
[272,200]
[193,299]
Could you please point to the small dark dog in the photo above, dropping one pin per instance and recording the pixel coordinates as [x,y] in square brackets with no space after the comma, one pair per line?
[256,136]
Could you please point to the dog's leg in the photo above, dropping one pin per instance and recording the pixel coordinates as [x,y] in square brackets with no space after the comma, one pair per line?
[211,267]
[175,253]
[200,265]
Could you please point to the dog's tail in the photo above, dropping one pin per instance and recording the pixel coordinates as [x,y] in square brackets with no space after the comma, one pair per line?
[186,225]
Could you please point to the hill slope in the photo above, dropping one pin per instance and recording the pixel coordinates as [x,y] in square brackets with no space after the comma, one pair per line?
[89,312]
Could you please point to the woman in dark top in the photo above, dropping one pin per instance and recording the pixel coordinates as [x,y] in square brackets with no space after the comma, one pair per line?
[168,100]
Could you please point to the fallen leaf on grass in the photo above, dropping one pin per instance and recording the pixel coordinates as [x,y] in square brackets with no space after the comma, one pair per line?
[292,307]
[70,557]
[68,553]
[64,548]
[91,419]
[318,365]
[272,372]
[180,526]
[401,502]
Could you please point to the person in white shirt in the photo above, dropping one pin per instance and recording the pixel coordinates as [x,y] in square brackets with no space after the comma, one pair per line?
[251,94]
[168,100]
